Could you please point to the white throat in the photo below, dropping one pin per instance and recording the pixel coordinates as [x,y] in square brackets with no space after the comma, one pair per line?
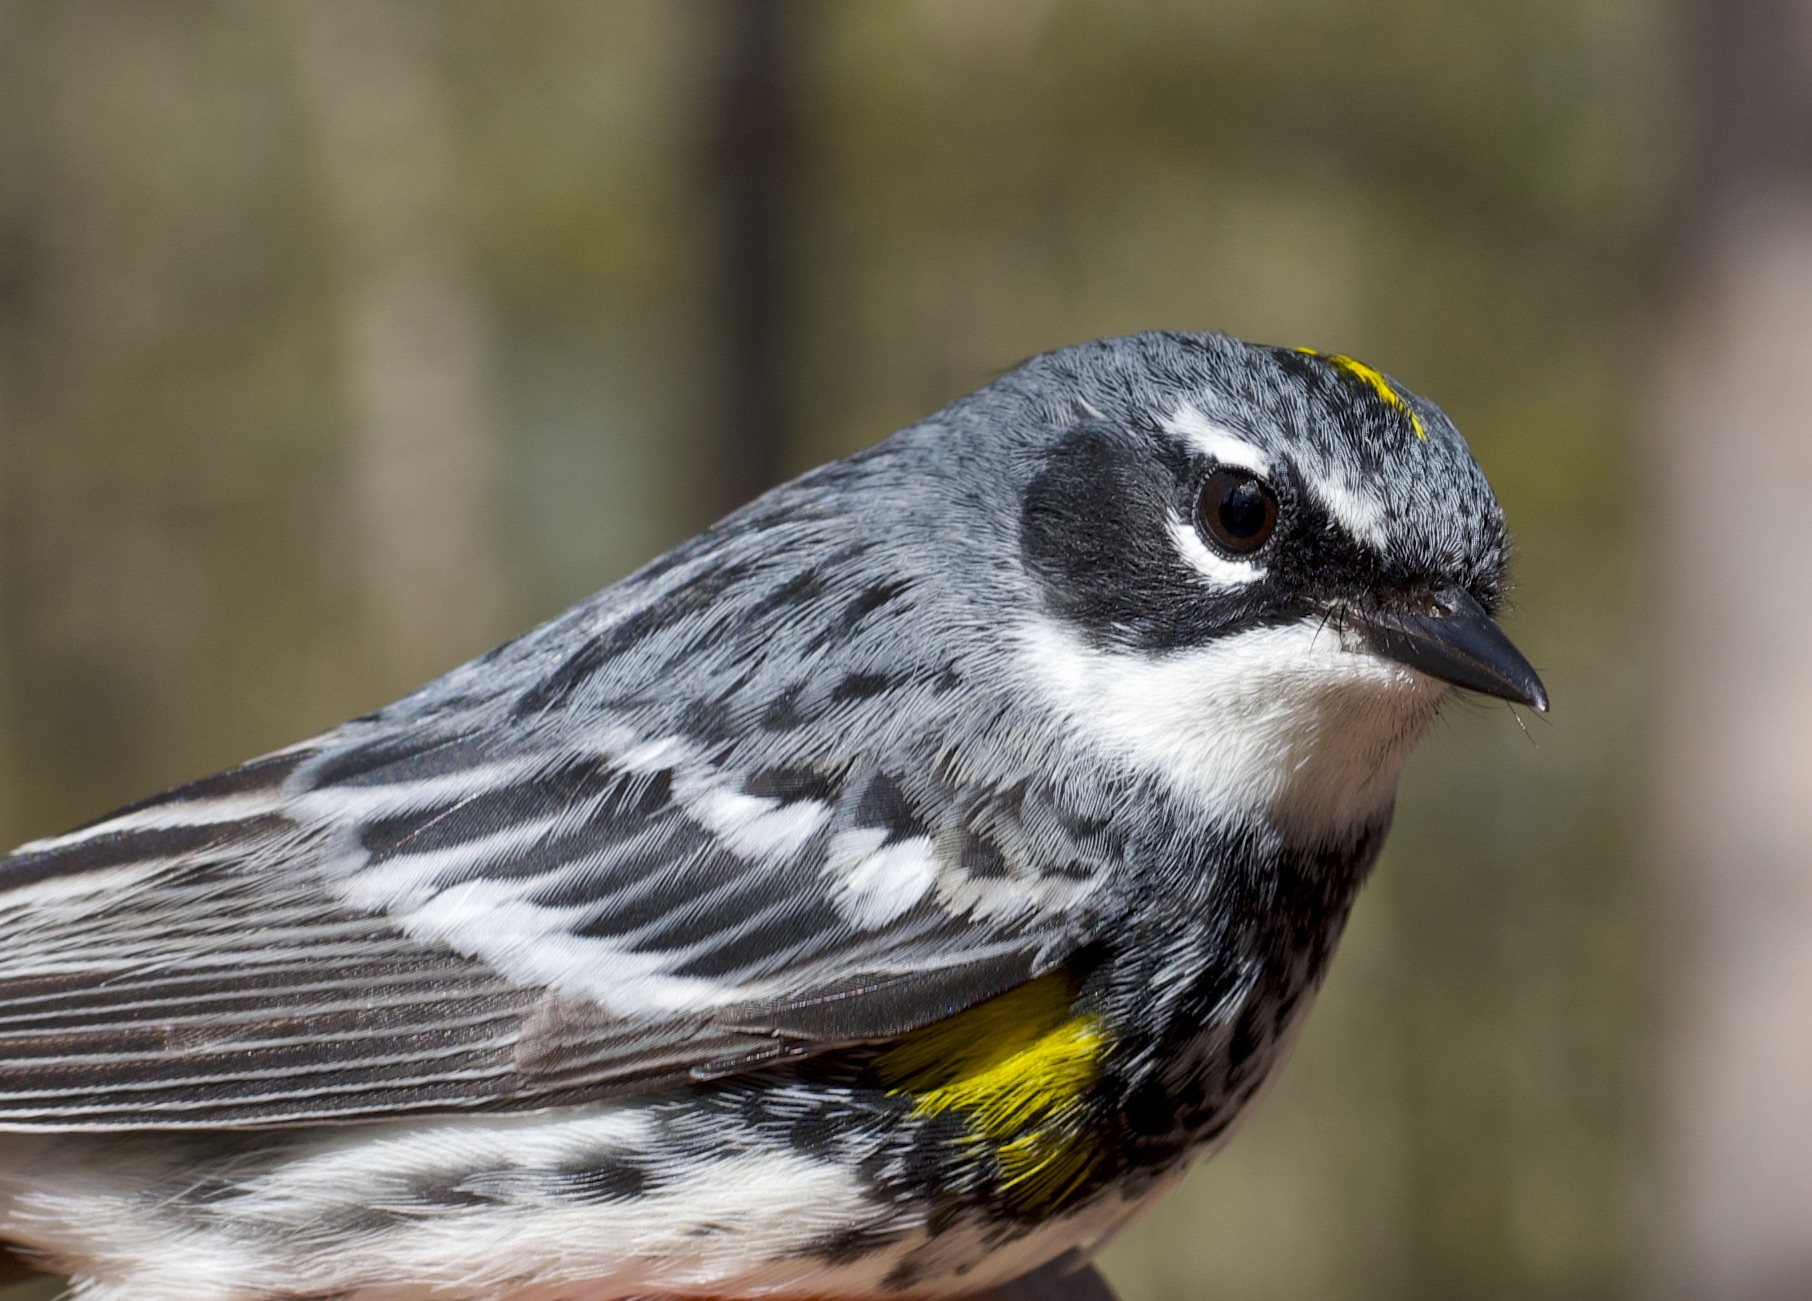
[1293,723]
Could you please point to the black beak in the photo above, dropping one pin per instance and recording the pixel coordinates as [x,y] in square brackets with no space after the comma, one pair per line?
[1456,642]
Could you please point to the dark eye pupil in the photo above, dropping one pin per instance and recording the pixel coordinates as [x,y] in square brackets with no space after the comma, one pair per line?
[1242,510]
[1237,512]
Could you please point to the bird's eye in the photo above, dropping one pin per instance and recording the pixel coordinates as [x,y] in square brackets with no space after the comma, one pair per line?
[1237,511]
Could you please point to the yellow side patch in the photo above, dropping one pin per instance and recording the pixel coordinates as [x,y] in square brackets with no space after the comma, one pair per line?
[1373,380]
[1017,1068]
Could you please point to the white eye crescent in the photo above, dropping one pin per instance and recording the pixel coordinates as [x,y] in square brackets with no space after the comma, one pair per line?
[1218,569]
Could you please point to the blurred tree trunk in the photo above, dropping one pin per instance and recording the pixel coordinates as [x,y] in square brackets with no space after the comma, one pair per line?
[1736,520]
[10,605]
[414,335]
[752,175]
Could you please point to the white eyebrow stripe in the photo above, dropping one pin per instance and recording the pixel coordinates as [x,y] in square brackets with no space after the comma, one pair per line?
[1222,445]
[1359,514]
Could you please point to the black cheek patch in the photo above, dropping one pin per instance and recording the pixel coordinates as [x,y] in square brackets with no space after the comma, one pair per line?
[1094,529]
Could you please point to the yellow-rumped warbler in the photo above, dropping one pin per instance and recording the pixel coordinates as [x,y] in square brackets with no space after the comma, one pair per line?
[886,892]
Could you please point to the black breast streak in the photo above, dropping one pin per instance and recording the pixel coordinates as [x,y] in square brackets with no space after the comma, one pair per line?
[1216,1040]
[1185,1060]
[845,1246]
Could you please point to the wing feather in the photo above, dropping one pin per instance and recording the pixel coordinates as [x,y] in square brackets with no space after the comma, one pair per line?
[279,966]
[630,850]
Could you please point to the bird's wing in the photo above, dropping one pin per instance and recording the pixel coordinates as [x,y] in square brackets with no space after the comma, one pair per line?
[411,916]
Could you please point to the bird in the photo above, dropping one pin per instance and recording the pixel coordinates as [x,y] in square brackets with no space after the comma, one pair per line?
[888,892]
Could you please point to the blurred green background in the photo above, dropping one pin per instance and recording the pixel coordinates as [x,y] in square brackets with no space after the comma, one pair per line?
[340,341]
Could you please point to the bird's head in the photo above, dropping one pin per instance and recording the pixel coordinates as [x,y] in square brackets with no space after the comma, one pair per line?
[1256,570]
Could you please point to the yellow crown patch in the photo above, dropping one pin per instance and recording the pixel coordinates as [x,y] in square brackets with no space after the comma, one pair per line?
[1375,381]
